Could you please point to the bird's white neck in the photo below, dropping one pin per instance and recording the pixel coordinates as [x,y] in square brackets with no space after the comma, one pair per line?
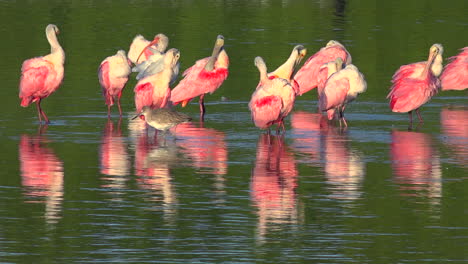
[56,51]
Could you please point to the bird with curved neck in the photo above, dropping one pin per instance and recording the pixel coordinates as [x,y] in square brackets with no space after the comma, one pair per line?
[113,74]
[306,76]
[272,100]
[41,76]
[154,91]
[138,51]
[415,84]
[288,68]
[343,85]
[206,76]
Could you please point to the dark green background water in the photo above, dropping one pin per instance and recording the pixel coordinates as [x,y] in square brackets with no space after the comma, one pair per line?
[85,190]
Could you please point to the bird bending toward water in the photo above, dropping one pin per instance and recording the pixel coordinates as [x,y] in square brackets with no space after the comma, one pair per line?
[341,88]
[139,45]
[272,101]
[154,90]
[162,118]
[455,74]
[306,76]
[113,75]
[286,70]
[42,76]
[204,77]
[415,84]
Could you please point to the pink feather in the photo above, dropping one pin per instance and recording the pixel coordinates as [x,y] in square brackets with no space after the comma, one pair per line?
[38,80]
[455,74]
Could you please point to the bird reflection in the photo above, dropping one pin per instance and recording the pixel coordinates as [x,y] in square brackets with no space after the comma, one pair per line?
[416,165]
[41,175]
[152,167]
[454,124]
[327,147]
[273,185]
[113,155]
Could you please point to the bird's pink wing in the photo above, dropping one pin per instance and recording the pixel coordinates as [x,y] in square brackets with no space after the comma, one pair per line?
[334,93]
[33,82]
[307,75]
[412,70]
[143,95]
[455,74]
[321,79]
[198,81]
[103,74]
[265,110]
[409,94]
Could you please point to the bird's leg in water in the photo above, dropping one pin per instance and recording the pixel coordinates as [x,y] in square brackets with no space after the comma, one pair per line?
[419,116]
[118,103]
[39,109]
[410,115]
[202,107]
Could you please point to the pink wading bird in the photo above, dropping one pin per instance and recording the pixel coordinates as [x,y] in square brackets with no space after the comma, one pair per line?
[153,90]
[414,84]
[204,77]
[272,100]
[113,75]
[286,70]
[41,76]
[306,76]
[341,88]
[139,45]
[455,74]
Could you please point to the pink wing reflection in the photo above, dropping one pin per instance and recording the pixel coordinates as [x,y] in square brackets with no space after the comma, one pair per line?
[454,124]
[113,153]
[206,147]
[416,166]
[343,167]
[307,133]
[41,174]
[273,184]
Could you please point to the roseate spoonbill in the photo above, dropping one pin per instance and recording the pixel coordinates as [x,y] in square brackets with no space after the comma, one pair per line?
[163,118]
[41,76]
[455,74]
[306,76]
[113,75]
[272,100]
[286,70]
[414,84]
[204,77]
[154,90]
[139,45]
[341,88]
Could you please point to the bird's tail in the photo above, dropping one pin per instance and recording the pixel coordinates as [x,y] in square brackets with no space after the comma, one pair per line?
[26,101]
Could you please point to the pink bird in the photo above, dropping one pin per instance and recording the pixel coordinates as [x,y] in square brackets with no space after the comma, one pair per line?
[42,76]
[153,90]
[415,84]
[286,70]
[455,74]
[204,77]
[272,101]
[341,88]
[306,77]
[113,75]
[139,47]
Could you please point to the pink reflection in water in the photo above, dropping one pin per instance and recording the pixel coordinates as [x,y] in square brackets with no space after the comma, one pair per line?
[454,124]
[206,147]
[41,174]
[273,184]
[113,154]
[415,163]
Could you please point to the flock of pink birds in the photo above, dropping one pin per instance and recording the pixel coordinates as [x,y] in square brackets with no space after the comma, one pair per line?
[330,70]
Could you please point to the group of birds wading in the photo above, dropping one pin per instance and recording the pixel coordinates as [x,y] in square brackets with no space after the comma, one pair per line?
[330,70]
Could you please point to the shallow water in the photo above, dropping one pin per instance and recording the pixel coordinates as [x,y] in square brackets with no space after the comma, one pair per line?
[87,189]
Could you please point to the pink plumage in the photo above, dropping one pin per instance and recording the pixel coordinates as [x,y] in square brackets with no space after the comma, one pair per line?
[415,84]
[113,75]
[206,76]
[307,76]
[455,74]
[138,45]
[265,111]
[42,76]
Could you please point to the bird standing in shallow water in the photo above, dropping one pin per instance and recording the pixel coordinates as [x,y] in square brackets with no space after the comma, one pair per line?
[306,76]
[272,100]
[204,77]
[455,74]
[415,84]
[42,76]
[113,75]
[341,87]
[163,118]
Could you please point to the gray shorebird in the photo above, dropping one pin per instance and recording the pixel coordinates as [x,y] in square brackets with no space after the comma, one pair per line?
[162,118]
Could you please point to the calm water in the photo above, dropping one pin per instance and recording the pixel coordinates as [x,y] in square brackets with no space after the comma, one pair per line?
[88,190]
